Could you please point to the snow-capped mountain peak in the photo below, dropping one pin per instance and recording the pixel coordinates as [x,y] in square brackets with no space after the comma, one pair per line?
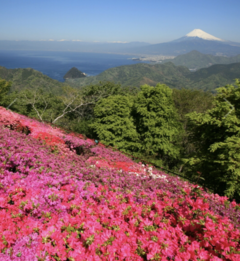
[201,34]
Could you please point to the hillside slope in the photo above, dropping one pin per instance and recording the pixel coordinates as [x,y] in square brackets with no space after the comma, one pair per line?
[169,74]
[30,78]
[139,74]
[74,73]
[65,198]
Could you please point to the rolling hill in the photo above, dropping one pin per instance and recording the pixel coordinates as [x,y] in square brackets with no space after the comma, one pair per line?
[195,60]
[174,76]
[131,75]
[29,78]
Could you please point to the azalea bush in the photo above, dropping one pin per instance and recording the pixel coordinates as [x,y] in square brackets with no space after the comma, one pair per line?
[62,197]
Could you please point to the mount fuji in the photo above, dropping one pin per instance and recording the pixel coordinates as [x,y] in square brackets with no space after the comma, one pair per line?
[198,34]
[195,40]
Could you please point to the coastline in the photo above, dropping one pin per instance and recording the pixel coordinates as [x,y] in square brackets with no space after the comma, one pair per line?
[152,58]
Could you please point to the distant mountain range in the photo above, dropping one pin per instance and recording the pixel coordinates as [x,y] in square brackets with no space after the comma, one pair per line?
[72,46]
[195,40]
[131,75]
[207,79]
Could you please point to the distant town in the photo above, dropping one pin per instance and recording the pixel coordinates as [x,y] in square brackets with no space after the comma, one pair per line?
[153,58]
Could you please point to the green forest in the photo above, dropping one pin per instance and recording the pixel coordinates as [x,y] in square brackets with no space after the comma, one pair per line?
[191,132]
[178,77]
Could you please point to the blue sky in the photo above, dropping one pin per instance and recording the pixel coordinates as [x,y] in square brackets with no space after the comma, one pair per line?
[152,21]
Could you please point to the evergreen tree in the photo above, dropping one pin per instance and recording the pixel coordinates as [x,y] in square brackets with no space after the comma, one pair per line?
[114,124]
[157,122]
[216,134]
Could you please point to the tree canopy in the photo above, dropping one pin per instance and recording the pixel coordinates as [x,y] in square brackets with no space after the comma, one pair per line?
[157,121]
[114,124]
[216,135]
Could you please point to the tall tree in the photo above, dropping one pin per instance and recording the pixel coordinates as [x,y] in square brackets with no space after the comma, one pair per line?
[157,122]
[114,124]
[216,134]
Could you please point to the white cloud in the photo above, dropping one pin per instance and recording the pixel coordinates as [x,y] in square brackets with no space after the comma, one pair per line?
[117,42]
[76,40]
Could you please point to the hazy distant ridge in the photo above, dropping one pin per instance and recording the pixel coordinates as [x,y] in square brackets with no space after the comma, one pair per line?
[196,60]
[195,40]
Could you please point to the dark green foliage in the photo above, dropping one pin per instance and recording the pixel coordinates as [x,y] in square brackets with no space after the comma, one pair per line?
[187,101]
[4,88]
[83,126]
[113,122]
[157,122]
[146,125]
[216,135]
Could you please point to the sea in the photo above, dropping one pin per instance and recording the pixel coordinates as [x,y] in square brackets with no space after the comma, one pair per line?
[56,64]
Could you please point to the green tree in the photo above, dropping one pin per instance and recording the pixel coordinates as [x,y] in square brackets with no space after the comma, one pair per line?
[187,101]
[37,103]
[96,92]
[216,134]
[157,123]
[4,89]
[113,122]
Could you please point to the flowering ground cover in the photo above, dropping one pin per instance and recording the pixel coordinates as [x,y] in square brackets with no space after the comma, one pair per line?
[65,198]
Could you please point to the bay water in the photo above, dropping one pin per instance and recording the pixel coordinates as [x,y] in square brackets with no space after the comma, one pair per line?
[56,64]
